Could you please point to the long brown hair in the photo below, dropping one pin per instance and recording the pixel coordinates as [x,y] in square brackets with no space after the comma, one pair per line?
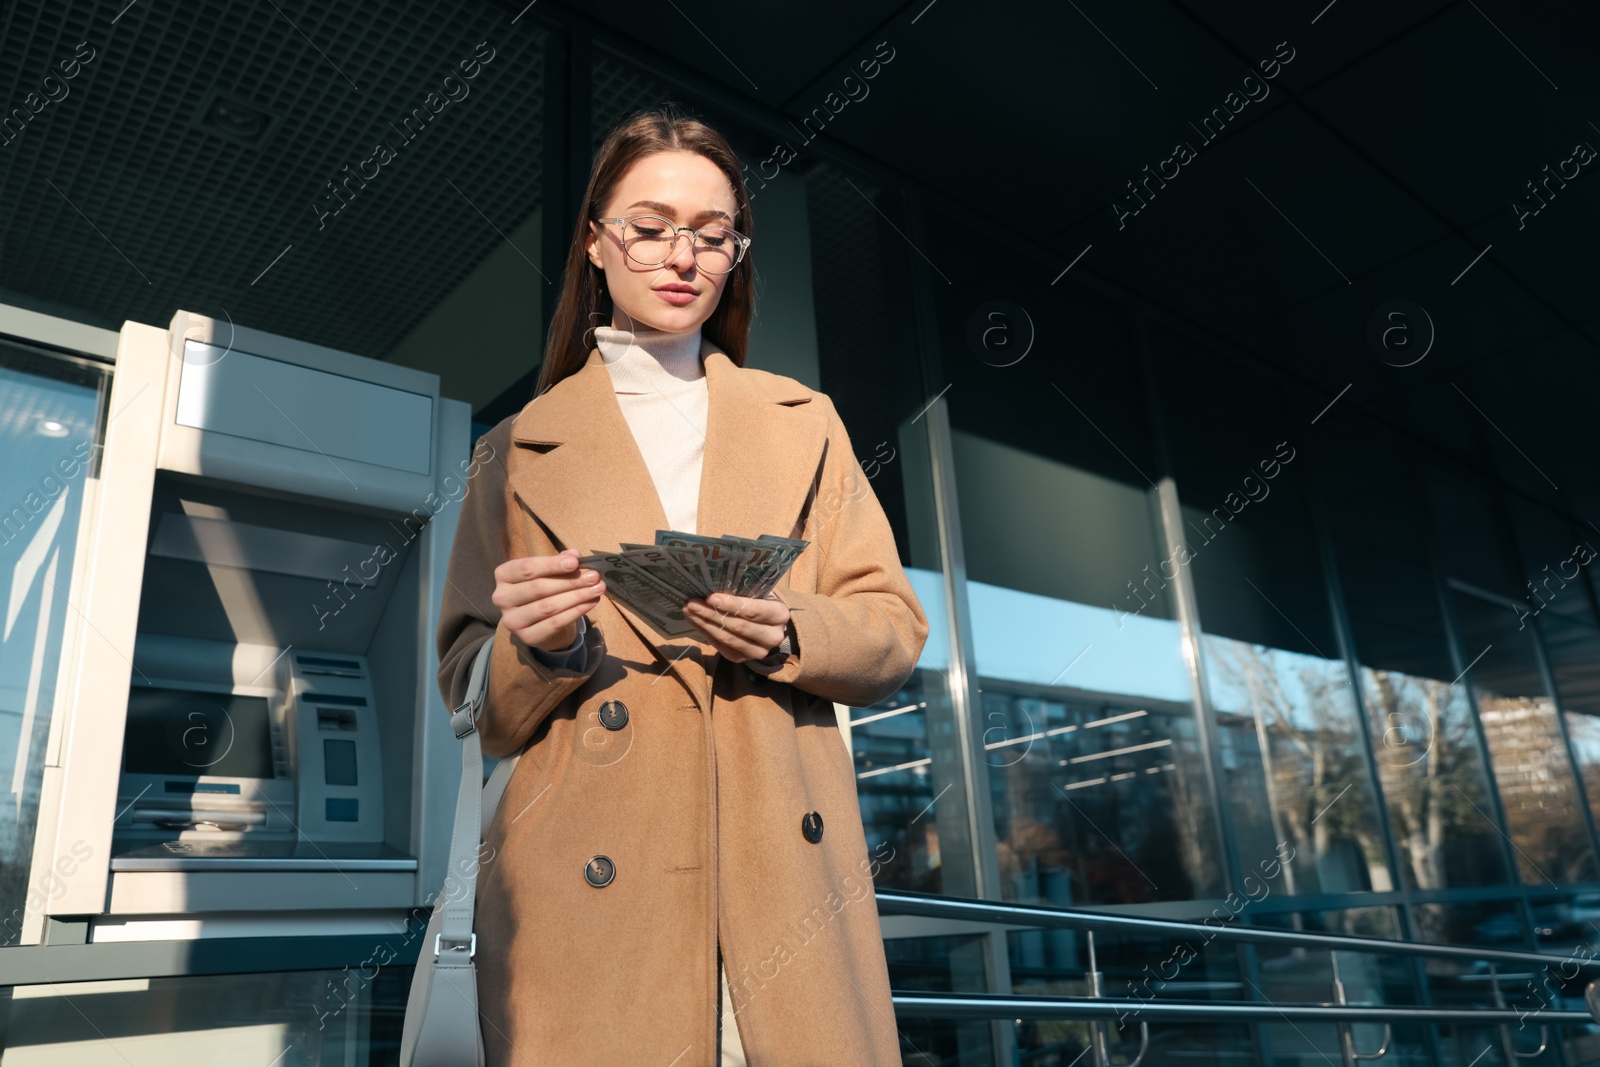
[584,302]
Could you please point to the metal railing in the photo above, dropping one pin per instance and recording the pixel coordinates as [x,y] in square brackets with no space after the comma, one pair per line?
[1101,1010]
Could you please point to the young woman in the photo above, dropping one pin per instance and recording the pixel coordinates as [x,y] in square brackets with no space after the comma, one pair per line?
[677,873]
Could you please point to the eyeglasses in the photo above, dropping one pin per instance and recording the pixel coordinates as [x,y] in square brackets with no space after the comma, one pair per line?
[651,240]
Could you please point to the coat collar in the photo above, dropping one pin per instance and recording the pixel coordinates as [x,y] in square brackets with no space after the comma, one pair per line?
[579,470]
[576,465]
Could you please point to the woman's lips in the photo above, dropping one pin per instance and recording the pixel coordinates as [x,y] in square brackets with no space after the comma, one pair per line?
[676,297]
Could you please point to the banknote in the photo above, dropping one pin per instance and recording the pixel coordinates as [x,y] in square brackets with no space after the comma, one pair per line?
[719,557]
[658,604]
[761,560]
[738,565]
[691,561]
[658,564]
[656,581]
[789,550]
[740,552]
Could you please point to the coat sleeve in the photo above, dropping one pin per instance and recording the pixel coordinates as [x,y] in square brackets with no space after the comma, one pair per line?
[522,690]
[857,638]
[573,656]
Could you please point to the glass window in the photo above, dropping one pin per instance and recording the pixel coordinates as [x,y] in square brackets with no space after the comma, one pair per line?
[908,769]
[1567,927]
[1131,967]
[953,964]
[1555,558]
[1485,923]
[1451,984]
[896,782]
[51,410]
[865,355]
[1481,923]
[1573,651]
[1306,976]
[1548,828]
[1087,794]
[1470,533]
[1423,735]
[1293,750]
[1056,963]
[1098,790]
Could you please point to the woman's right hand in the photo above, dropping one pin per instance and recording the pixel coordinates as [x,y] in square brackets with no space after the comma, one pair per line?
[541,597]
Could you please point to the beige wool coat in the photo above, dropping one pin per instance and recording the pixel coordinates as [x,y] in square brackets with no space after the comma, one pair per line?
[702,780]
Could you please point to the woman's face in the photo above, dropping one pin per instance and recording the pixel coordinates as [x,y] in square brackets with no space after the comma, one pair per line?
[690,190]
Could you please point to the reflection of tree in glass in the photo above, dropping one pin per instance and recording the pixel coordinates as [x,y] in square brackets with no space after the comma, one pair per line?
[1435,795]
[1312,763]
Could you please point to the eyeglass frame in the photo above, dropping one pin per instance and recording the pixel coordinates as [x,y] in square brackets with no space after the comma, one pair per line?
[742,241]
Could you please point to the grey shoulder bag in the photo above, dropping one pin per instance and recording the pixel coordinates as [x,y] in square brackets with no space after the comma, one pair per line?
[441,1024]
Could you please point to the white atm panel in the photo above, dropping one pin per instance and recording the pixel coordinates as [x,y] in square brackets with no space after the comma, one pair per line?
[267,400]
[248,408]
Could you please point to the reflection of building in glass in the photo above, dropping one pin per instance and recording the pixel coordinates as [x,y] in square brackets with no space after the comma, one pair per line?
[1088,800]
[890,746]
[1532,770]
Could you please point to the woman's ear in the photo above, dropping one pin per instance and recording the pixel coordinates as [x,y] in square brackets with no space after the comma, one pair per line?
[592,246]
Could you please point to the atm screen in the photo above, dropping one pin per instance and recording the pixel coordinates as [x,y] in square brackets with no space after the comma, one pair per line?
[189,733]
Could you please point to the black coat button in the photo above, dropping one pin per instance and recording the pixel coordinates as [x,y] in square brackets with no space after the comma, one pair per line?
[811,826]
[599,871]
[613,715]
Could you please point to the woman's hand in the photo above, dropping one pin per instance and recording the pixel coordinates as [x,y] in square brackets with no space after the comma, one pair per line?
[742,628]
[541,597]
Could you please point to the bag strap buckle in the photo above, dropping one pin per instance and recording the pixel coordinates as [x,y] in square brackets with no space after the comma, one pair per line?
[461,721]
[471,946]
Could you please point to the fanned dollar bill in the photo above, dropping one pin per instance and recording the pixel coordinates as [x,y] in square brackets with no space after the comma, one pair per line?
[656,581]
[744,552]
[659,564]
[718,557]
[658,604]
[692,562]
[789,550]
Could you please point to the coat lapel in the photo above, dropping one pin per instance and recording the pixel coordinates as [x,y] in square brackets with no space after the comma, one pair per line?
[764,443]
[578,469]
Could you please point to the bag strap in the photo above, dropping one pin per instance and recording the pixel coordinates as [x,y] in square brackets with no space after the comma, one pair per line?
[456,943]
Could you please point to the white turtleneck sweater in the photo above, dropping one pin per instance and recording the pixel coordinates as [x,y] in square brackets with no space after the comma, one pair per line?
[661,387]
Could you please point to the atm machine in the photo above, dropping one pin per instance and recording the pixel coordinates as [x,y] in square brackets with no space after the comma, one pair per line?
[255,742]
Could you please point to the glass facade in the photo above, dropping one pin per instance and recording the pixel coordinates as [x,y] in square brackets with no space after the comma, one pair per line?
[1200,647]
[50,414]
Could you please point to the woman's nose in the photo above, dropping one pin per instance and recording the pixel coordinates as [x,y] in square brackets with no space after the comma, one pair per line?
[682,257]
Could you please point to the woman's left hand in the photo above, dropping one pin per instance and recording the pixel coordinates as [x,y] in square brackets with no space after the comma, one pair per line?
[742,628]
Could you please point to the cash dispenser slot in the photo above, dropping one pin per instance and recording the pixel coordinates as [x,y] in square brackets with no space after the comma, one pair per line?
[335,718]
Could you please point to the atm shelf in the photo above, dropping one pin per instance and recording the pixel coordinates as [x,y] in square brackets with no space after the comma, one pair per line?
[36,964]
[263,856]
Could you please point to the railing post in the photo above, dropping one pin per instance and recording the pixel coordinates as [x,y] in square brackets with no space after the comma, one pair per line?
[1347,1040]
[1100,1041]
[1507,1042]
